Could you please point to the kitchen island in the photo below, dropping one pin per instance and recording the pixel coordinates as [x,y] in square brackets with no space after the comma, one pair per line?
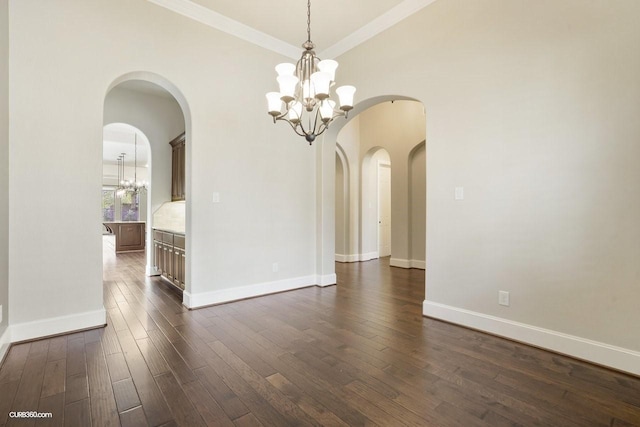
[130,235]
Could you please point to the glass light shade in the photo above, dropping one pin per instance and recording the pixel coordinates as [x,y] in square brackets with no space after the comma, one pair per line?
[285,69]
[287,87]
[308,91]
[345,93]
[326,110]
[274,102]
[328,66]
[321,81]
[295,112]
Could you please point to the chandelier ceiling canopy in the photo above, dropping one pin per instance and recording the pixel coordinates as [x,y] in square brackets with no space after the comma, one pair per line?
[304,100]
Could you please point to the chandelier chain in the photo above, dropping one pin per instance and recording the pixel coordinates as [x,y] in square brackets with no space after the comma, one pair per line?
[308,20]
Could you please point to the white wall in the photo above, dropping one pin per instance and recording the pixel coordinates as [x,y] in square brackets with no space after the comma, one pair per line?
[265,175]
[418,205]
[349,145]
[532,108]
[341,208]
[4,173]
[110,173]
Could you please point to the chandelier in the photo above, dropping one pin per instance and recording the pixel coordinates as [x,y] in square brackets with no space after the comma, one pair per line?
[124,185]
[305,92]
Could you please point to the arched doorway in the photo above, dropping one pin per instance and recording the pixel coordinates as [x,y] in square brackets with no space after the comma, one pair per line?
[376,202]
[398,127]
[158,110]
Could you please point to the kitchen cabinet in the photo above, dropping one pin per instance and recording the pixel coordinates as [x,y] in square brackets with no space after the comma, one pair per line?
[178,161]
[170,256]
[130,235]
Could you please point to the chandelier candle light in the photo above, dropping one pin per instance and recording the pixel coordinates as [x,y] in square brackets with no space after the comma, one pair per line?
[305,92]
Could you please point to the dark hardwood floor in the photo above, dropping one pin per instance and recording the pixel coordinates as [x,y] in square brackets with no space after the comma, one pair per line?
[359,353]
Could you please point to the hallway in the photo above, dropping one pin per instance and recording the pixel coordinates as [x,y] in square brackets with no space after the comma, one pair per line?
[353,354]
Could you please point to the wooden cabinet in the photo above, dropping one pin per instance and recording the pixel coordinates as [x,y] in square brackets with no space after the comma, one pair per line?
[130,236]
[178,161]
[169,256]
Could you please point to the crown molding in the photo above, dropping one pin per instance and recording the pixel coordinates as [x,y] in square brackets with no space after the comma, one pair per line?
[220,22]
[375,27]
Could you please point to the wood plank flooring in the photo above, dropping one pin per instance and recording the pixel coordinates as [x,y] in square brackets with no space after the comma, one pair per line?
[359,353]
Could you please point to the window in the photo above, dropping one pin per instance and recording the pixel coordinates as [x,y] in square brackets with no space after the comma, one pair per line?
[108,204]
[114,208]
[130,206]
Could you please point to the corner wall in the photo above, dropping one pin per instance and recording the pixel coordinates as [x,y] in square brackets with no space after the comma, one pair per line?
[532,108]
[264,174]
[4,176]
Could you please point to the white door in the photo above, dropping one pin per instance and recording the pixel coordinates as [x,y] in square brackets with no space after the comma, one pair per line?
[384,209]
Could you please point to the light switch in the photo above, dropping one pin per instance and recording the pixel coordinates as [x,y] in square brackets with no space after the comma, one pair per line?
[459,193]
[216,197]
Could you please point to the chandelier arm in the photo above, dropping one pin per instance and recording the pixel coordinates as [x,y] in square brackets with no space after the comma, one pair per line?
[293,126]
[323,127]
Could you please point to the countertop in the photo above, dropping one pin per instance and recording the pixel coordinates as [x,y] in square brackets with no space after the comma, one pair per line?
[182,233]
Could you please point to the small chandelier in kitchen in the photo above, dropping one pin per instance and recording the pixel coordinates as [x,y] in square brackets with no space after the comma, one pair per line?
[305,92]
[124,185]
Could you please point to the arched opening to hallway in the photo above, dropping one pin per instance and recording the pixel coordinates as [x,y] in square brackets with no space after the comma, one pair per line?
[387,137]
[144,106]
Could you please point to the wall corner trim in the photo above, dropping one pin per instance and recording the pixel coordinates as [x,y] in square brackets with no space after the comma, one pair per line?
[5,343]
[58,325]
[326,280]
[581,348]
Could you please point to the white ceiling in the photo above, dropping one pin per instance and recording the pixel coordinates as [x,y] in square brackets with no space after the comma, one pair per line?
[331,20]
[120,138]
[336,25]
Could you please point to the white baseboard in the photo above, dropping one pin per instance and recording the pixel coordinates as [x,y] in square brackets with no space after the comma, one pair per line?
[398,262]
[368,256]
[592,351]
[5,342]
[356,257]
[58,325]
[151,271]
[407,263]
[203,299]
[416,263]
[348,258]
[326,280]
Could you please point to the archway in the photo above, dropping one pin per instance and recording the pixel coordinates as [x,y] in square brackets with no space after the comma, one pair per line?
[159,110]
[342,240]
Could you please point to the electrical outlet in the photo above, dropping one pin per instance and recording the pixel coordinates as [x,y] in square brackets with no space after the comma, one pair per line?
[1,318]
[459,193]
[503,298]
[275,267]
